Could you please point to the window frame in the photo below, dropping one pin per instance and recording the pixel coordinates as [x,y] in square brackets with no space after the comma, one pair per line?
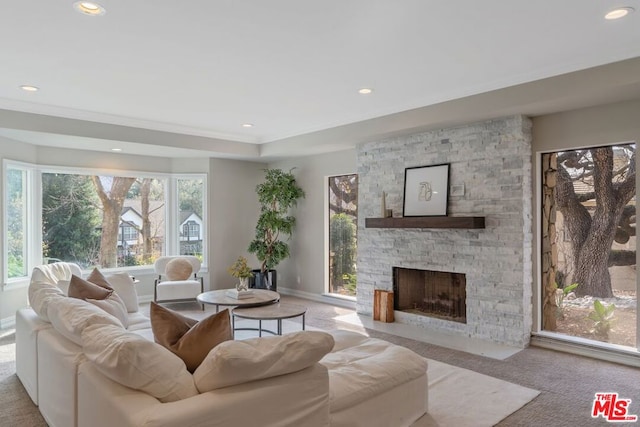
[33,222]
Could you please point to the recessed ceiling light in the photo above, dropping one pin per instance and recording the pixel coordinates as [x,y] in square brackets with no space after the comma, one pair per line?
[365,91]
[29,88]
[247,125]
[116,149]
[89,8]
[619,12]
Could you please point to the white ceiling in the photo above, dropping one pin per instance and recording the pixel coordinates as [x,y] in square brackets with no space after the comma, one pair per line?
[184,76]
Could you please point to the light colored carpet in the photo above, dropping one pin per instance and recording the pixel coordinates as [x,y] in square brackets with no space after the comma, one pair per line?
[463,398]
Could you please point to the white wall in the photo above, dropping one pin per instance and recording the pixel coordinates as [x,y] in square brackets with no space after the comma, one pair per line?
[305,271]
[233,212]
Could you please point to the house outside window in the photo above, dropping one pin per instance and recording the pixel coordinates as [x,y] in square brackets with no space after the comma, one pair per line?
[191,230]
[190,191]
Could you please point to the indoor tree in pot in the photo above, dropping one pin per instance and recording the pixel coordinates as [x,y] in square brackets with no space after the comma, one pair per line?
[277,195]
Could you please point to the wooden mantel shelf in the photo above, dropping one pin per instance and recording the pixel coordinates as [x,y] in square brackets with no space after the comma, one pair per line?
[426,222]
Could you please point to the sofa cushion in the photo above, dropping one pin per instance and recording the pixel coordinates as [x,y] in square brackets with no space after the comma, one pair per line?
[135,362]
[40,295]
[64,285]
[124,286]
[82,289]
[237,362]
[100,295]
[121,283]
[187,338]
[178,269]
[70,316]
[114,306]
[361,367]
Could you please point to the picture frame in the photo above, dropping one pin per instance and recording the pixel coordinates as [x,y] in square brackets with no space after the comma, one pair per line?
[426,190]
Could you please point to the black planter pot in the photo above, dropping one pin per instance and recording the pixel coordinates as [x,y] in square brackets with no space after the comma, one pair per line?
[264,281]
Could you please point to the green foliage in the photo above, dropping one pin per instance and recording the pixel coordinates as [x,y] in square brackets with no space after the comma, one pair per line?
[349,283]
[277,194]
[15,223]
[342,244]
[603,318]
[70,218]
[190,195]
[560,296]
[240,269]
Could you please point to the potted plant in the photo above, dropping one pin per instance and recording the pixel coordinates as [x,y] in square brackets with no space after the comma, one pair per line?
[277,195]
[241,270]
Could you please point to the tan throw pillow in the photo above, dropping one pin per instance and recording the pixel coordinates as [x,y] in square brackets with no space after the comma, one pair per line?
[187,338]
[98,278]
[83,289]
[178,269]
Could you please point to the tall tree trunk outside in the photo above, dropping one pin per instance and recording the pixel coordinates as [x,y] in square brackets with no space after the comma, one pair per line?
[591,237]
[147,242]
[112,203]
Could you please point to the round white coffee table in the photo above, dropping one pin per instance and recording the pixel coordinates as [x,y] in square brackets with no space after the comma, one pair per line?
[277,312]
[220,297]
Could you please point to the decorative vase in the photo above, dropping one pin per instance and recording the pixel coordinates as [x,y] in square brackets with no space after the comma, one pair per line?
[243,285]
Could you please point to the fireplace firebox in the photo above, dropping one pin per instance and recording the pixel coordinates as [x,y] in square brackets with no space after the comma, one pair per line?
[430,293]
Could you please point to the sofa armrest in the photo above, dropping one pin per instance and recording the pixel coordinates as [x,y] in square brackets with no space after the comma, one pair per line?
[28,325]
[300,398]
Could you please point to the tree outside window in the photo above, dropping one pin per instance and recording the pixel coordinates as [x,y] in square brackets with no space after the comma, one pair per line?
[343,216]
[16,202]
[589,243]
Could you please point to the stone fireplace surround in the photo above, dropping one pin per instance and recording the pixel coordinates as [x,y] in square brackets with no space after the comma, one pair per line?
[493,161]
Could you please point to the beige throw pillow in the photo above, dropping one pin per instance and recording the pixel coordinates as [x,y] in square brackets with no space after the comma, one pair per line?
[187,338]
[83,289]
[237,362]
[178,269]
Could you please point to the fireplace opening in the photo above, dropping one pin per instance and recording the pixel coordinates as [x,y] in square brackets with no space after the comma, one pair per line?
[430,293]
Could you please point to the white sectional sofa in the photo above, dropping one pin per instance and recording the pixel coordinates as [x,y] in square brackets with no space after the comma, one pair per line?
[83,368]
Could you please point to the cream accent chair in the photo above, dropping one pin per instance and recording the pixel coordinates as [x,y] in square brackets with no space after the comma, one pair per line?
[165,290]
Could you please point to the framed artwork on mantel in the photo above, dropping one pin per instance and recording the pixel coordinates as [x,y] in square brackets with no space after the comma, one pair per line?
[426,190]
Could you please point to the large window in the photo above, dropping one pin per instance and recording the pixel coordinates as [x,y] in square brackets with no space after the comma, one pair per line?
[103,220]
[343,217]
[16,179]
[588,232]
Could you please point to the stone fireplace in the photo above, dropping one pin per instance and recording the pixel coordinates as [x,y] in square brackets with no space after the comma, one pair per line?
[492,162]
[439,294]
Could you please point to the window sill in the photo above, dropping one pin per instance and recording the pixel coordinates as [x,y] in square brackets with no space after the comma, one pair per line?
[16,284]
[583,347]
